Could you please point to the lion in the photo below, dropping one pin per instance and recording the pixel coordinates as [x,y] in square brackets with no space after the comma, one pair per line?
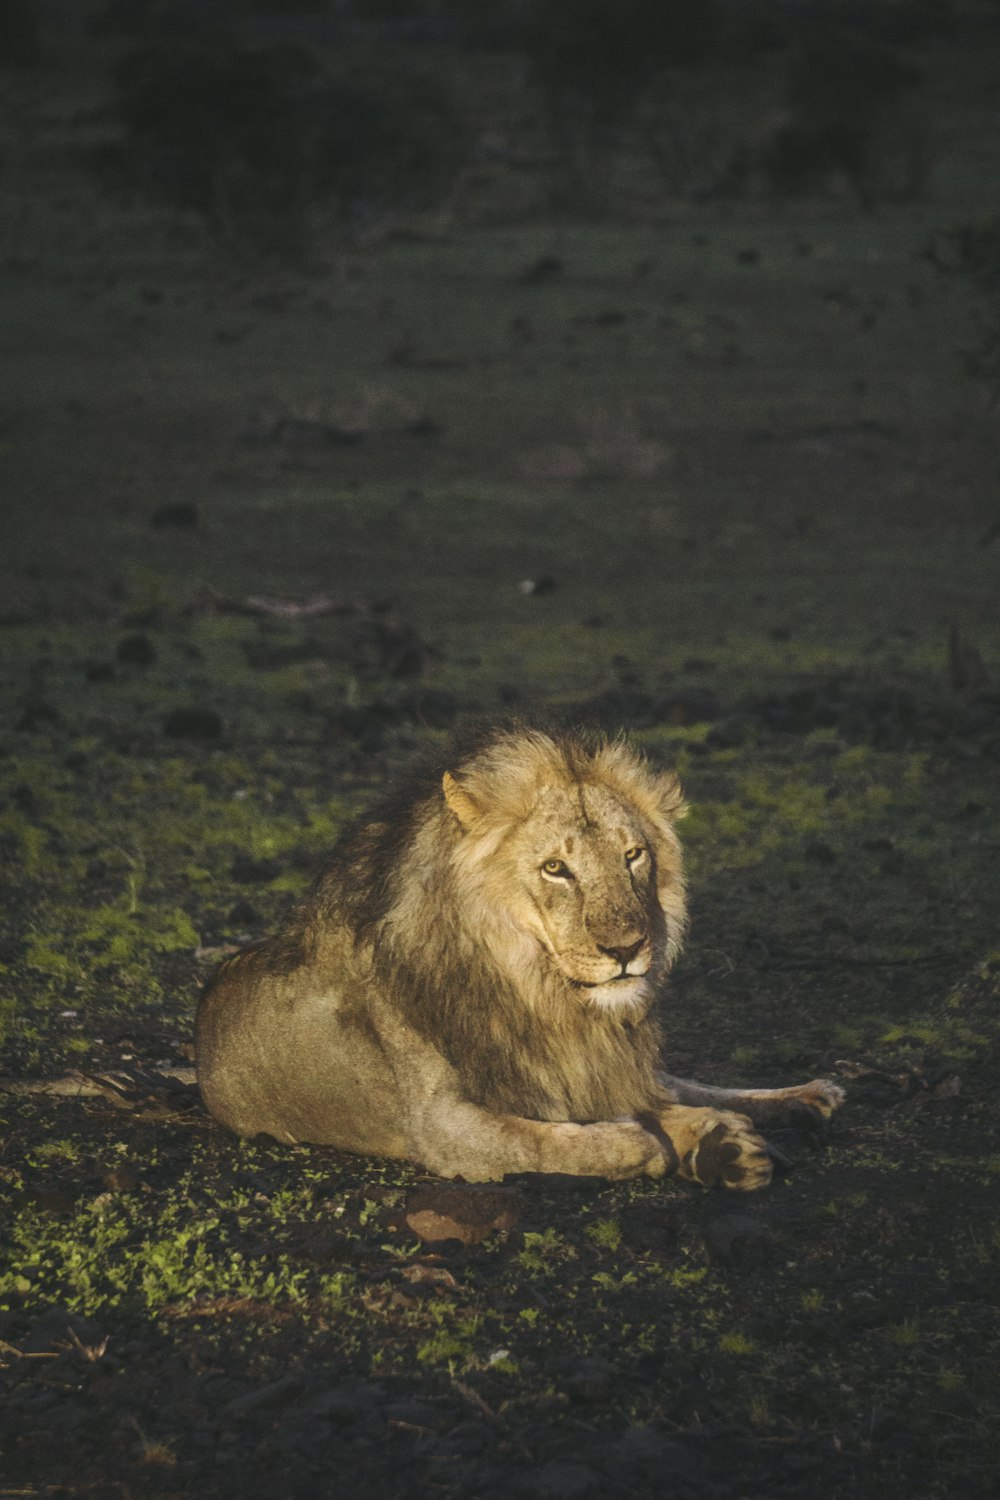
[470,985]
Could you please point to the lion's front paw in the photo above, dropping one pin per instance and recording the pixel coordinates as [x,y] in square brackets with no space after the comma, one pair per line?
[730,1155]
[718,1149]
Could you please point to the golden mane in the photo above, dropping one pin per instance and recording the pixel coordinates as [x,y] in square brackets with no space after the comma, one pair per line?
[458,969]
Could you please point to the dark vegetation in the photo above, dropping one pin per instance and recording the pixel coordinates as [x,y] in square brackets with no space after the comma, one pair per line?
[251,139]
[972,253]
[259,139]
[378,367]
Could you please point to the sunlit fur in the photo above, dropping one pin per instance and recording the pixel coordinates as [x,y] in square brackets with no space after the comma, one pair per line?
[454,936]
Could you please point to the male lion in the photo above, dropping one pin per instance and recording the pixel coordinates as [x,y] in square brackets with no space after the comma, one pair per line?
[469,985]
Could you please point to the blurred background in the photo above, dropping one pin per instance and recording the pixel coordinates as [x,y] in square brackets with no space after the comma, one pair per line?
[641,299]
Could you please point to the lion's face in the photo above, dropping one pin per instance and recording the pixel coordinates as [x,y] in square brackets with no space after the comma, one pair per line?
[586,889]
[584,881]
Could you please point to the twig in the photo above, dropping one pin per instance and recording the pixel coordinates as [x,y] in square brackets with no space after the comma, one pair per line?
[12,1349]
[475,1398]
[116,1085]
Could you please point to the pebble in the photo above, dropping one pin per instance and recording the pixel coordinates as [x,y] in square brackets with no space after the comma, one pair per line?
[469,1212]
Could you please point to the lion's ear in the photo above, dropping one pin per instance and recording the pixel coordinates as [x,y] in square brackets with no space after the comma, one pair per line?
[670,797]
[461,802]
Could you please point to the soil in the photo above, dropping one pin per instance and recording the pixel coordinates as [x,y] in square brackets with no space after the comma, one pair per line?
[713,471]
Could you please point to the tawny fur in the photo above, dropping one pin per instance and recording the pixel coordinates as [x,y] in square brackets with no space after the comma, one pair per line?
[470,984]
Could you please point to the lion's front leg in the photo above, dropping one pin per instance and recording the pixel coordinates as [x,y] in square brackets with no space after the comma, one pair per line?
[714,1147]
[448,1134]
[456,1139]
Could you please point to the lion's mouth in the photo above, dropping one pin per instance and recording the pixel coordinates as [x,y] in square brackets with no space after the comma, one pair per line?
[602,984]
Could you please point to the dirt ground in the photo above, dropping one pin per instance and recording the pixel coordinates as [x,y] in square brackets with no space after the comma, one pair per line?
[712,471]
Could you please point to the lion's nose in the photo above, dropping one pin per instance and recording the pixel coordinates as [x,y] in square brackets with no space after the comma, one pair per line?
[624,955]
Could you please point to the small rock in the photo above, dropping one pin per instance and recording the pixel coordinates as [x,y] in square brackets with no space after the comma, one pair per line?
[469,1212]
[418,1273]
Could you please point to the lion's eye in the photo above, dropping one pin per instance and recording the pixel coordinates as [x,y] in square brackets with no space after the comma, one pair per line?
[634,854]
[556,868]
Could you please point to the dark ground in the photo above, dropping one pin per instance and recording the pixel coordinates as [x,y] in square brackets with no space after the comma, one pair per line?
[733,446]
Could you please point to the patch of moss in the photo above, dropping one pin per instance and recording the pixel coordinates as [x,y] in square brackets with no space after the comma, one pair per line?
[770,808]
[605,1232]
[736,1343]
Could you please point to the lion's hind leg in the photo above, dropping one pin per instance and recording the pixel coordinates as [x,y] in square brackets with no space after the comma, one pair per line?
[803,1104]
[713,1147]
